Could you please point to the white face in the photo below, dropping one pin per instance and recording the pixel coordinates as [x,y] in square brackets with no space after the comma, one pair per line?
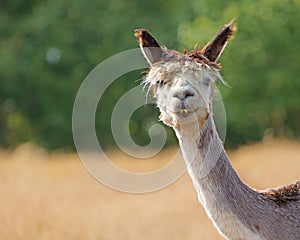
[182,91]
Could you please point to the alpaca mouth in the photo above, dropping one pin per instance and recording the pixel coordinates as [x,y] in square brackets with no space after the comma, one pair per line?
[185,111]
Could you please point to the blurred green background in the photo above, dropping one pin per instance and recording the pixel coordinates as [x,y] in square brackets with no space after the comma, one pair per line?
[48,47]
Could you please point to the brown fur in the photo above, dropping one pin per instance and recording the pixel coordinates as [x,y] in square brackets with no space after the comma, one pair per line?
[149,44]
[198,56]
[146,38]
[214,48]
[284,194]
[207,55]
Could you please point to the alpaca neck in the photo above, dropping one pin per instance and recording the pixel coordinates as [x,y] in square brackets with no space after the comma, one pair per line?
[206,160]
[218,186]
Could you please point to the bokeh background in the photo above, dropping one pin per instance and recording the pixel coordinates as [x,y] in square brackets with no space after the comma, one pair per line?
[48,47]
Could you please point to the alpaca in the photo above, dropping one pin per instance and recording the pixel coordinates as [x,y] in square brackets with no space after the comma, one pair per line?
[183,86]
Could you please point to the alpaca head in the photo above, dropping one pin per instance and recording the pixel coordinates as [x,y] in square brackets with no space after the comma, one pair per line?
[183,84]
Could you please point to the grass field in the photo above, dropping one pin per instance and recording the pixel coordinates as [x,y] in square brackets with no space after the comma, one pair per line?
[51,196]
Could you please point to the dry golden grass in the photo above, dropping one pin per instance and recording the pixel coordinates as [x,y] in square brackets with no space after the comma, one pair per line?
[51,196]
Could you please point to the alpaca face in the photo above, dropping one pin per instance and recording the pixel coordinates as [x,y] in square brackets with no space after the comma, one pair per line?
[183,83]
[182,91]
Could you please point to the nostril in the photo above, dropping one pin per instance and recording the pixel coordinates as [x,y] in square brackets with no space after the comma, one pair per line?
[184,94]
[189,94]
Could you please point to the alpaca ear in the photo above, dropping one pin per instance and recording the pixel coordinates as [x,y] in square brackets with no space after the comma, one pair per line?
[213,50]
[149,46]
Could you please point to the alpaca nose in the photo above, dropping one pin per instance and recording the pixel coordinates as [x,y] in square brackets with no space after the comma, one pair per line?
[183,94]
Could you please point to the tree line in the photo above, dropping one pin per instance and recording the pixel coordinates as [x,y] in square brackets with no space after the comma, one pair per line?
[48,47]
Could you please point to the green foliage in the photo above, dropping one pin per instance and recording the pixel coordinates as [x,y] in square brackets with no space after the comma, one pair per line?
[19,130]
[48,47]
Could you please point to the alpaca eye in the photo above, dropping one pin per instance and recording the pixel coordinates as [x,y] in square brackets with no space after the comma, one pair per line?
[206,81]
[160,83]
